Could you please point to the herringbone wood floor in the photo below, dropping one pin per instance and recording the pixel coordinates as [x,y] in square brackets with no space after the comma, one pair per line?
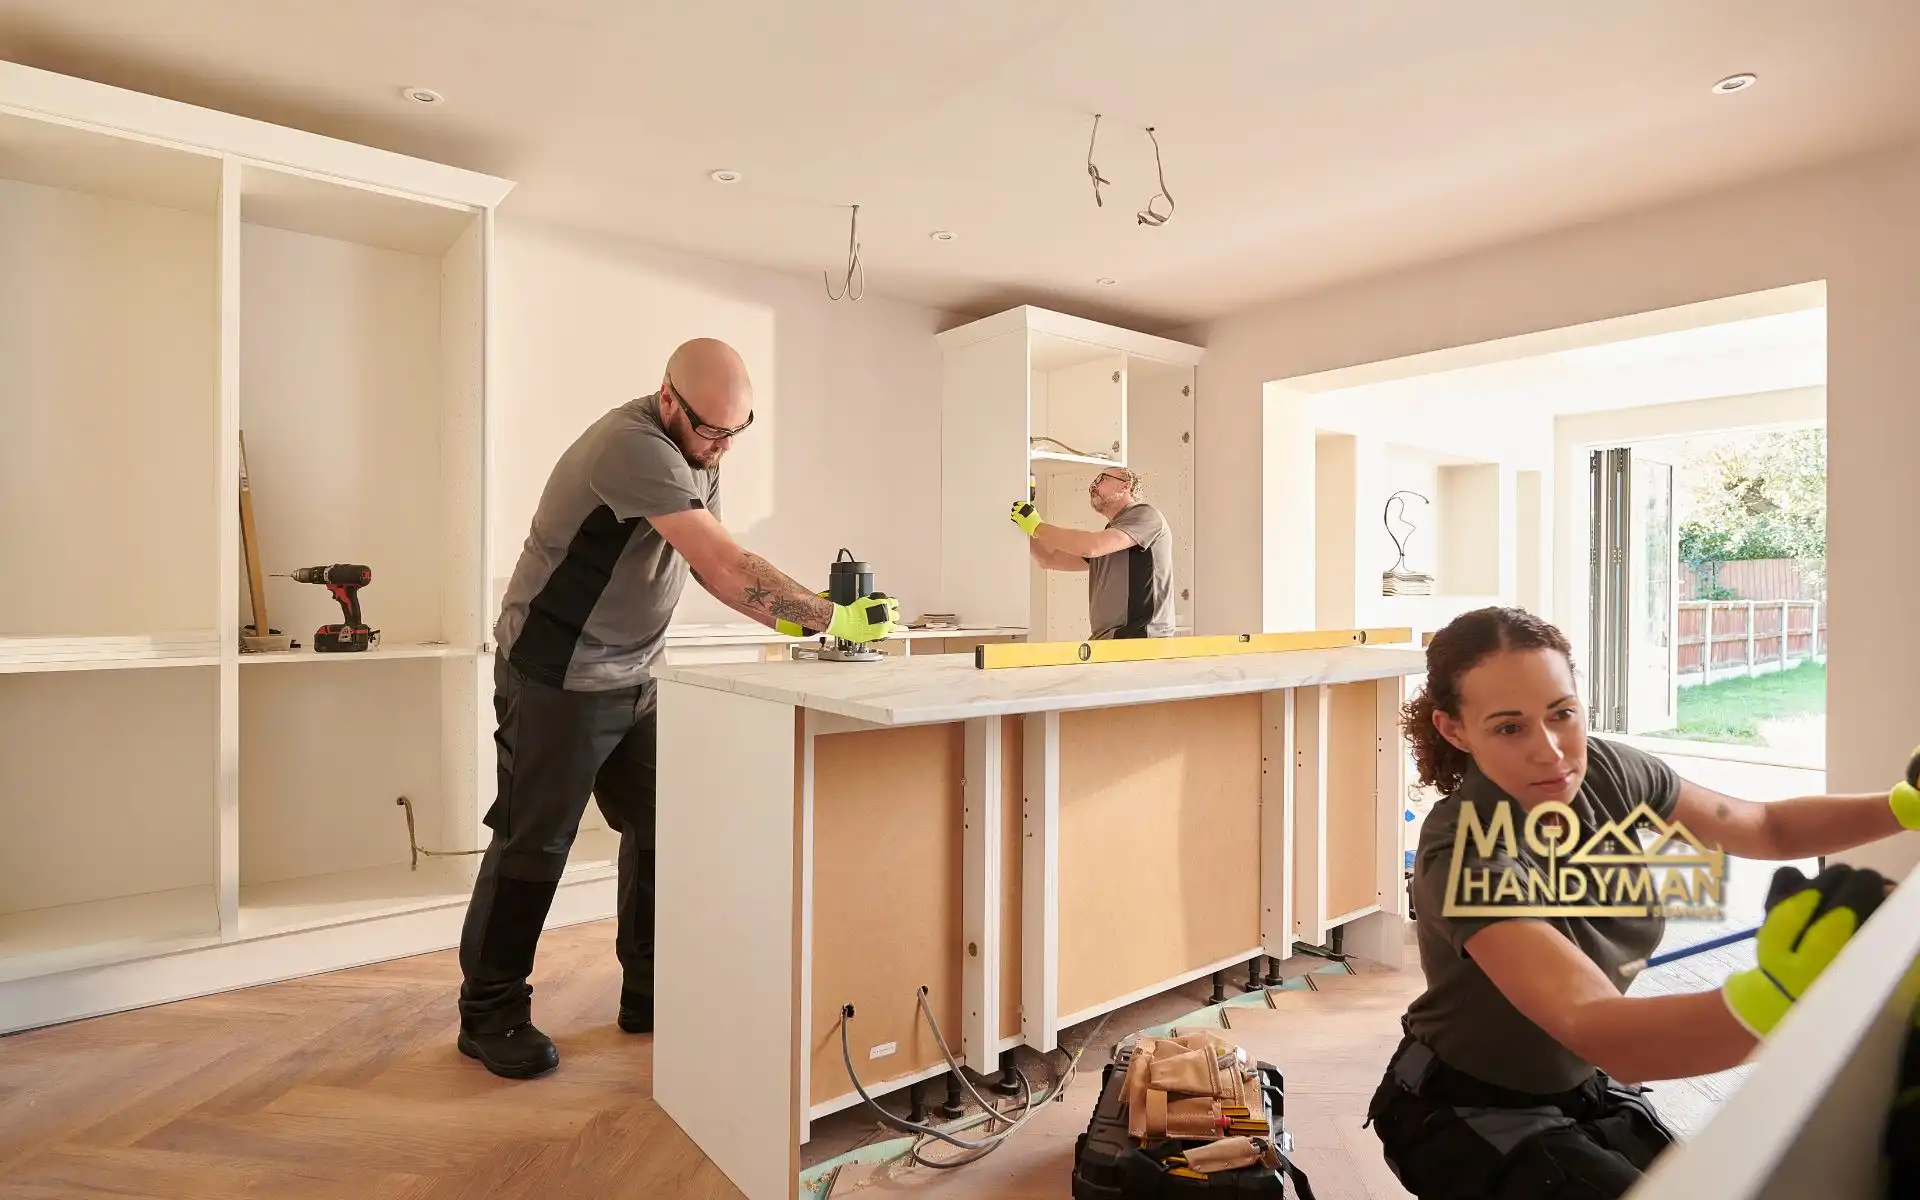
[345,1086]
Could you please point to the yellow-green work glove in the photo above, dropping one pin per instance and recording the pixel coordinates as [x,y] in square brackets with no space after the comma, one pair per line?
[1025,517]
[1905,796]
[1808,923]
[866,620]
[793,628]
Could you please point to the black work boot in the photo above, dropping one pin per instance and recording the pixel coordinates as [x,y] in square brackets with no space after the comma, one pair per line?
[518,1053]
[636,1012]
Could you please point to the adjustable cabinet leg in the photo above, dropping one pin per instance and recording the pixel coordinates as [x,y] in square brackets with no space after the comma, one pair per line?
[1253,974]
[917,1098]
[1009,1082]
[1219,988]
[1274,978]
[955,1107]
[1335,939]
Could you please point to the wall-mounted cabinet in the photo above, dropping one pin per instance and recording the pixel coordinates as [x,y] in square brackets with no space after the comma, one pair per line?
[180,817]
[1038,403]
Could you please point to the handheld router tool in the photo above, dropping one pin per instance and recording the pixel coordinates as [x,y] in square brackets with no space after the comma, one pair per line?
[847,581]
[344,581]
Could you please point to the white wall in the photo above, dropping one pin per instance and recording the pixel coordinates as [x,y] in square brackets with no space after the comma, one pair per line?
[845,445]
[1850,224]
[109,359]
[1454,441]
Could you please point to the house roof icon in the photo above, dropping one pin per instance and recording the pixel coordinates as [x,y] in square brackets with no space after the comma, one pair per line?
[1615,843]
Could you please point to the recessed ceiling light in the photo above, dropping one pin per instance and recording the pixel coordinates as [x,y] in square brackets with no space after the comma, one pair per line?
[941,235]
[724,176]
[1734,83]
[420,95]
[1103,281]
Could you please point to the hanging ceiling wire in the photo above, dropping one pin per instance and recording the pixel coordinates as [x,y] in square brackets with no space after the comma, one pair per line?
[1149,215]
[854,265]
[1093,172]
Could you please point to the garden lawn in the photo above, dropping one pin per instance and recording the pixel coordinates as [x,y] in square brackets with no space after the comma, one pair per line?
[1731,710]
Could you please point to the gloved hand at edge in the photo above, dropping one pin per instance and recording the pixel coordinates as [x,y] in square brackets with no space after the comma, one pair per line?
[793,628]
[1026,516]
[1905,796]
[865,620]
[1808,923]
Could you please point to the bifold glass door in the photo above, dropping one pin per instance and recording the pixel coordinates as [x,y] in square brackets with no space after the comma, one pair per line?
[1633,568]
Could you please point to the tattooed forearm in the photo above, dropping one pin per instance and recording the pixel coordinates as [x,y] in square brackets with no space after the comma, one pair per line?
[770,591]
[792,610]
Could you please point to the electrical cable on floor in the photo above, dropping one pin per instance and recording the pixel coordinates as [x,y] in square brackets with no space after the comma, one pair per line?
[417,850]
[1026,1110]
[925,1134]
[886,1116]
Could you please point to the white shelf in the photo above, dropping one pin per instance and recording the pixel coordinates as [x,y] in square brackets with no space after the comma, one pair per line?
[195,648]
[318,901]
[53,154]
[290,905]
[72,937]
[595,855]
[1086,460]
[184,279]
[301,203]
[381,653]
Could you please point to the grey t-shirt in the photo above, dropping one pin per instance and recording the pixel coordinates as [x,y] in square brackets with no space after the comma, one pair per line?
[1130,592]
[588,605]
[1467,1022]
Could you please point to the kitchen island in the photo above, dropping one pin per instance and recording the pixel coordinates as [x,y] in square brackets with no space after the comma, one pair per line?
[1033,846]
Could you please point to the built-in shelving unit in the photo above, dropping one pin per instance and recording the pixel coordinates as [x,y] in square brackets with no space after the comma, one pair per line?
[22,655]
[177,279]
[1038,403]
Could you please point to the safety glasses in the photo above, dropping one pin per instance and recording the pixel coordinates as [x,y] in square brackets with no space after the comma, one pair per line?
[712,433]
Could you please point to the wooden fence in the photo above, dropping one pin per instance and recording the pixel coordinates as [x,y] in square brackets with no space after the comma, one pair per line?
[1751,579]
[1719,639]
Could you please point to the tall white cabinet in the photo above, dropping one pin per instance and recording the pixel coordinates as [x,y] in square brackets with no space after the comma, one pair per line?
[177,817]
[1041,402]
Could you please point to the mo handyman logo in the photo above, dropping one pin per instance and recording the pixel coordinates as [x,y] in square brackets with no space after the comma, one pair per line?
[1608,873]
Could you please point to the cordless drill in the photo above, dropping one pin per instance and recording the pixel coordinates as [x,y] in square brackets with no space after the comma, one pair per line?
[344,581]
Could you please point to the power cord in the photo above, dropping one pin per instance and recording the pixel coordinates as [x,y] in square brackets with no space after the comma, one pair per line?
[1067,448]
[926,1134]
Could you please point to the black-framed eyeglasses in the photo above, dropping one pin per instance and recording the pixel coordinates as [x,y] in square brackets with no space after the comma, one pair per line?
[712,433]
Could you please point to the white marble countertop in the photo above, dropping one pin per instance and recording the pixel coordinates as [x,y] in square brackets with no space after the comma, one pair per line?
[948,687]
[746,633]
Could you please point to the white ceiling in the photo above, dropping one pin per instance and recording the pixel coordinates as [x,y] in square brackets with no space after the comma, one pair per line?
[1732,358]
[1304,142]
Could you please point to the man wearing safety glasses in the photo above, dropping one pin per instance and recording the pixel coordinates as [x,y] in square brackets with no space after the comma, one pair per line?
[1129,564]
[631,509]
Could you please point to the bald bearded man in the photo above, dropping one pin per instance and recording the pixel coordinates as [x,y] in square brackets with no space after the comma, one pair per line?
[630,510]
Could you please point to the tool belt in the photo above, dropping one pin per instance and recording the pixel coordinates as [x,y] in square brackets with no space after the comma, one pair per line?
[1187,1115]
[1197,1087]
[1485,1124]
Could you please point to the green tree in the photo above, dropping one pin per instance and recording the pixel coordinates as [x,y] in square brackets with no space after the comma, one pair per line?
[1760,497]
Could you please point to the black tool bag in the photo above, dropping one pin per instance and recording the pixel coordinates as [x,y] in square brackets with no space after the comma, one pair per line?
[1109,1164]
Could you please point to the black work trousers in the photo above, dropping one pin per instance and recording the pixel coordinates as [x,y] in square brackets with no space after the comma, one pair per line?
[556,748]
[1458,1138]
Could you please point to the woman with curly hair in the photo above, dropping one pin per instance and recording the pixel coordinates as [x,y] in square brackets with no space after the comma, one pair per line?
[1520,1072]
